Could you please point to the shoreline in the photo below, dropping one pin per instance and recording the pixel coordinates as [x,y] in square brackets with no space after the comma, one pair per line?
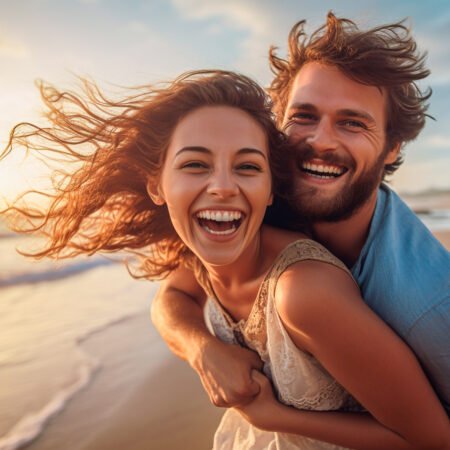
[162,408]
[142,398]
[188,422]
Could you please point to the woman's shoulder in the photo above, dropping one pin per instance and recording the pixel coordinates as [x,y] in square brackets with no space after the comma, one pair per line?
[289,247]
[309,289]
[275,240]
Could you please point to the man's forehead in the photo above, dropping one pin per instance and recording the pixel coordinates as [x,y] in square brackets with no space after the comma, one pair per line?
[323,85]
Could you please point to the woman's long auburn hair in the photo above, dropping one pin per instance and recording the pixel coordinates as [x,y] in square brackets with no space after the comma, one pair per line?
[100,203]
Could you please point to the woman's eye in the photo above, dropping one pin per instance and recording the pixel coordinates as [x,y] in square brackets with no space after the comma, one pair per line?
[249,167]
[194,165]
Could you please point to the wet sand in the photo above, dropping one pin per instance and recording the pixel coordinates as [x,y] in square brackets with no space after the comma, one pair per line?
[175,414]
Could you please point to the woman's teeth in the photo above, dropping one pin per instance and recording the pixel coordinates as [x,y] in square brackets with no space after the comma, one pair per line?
[217,232]
[219,216]
[219,222]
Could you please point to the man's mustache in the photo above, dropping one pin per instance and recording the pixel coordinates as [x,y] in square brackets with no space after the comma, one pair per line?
[303,152]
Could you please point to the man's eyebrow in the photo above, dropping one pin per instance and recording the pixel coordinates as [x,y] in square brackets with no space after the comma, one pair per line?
[341,112]
[199,149]
[302,106]
[357,114]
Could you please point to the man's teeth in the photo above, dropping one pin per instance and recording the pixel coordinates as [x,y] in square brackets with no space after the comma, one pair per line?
[220,216]
[321,169]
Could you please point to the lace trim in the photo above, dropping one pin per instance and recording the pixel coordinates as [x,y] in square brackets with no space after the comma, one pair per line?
[252,332]
[300,250]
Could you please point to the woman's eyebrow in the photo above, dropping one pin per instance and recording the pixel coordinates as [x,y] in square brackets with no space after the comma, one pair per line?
[193,148]
[250,150]
[199,149]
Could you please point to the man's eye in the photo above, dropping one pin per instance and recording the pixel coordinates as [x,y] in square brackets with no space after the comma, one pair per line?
[302,116]
[353,124]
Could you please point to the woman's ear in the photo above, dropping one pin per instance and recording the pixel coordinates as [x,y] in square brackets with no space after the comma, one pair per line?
[270,200]
[154,192]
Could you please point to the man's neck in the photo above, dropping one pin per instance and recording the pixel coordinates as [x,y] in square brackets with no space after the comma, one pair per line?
[346,238]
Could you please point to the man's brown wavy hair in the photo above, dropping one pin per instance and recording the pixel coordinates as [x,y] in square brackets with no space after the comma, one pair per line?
[385,56]
[100,201]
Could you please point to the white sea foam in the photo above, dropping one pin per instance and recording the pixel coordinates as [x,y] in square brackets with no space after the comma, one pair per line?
[31,425]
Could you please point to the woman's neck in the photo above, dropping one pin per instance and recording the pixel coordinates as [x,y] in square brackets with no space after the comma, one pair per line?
[236,285]
[246,268]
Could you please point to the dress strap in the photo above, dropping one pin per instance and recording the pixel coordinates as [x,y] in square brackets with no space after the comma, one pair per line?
[302,250]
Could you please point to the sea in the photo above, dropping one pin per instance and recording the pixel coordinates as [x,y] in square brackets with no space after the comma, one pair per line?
[49,313]
[75,338]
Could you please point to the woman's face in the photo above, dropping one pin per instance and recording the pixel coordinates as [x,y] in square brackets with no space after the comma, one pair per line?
[216,182]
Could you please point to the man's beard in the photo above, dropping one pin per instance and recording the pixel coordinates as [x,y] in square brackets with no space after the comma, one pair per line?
[345,202]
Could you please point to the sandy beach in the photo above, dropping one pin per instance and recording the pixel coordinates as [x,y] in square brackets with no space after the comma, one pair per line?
[444,237]
[141,397]
[167,410]
[161,406]
[184,419]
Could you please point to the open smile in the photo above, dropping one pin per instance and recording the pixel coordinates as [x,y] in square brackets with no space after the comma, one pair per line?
[322,170]
[219,222]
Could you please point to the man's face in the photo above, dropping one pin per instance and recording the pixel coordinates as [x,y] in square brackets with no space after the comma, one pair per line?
[338,128]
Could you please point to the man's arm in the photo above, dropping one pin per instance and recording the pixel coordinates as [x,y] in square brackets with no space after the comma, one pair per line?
[224,370]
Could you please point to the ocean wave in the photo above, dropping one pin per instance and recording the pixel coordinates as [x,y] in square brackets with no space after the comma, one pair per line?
[89,333]
[53,274]
[30,426]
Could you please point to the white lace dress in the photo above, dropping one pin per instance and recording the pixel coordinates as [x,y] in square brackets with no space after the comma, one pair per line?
[298,378]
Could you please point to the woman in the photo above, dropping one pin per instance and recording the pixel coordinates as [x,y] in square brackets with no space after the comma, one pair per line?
[183,175]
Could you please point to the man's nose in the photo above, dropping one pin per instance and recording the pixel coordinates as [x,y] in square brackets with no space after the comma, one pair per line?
[222,184]
[323,137]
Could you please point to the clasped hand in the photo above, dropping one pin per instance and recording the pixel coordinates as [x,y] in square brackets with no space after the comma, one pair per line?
[262,409]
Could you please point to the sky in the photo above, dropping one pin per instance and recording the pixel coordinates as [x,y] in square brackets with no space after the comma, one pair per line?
[137,42]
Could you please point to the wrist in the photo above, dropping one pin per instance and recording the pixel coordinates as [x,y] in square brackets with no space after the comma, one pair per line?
[202,345]
[279,416]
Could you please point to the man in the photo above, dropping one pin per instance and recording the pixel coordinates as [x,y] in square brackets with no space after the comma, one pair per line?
[348,101]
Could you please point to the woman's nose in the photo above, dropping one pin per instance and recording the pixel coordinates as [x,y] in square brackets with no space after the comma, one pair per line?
[222,184]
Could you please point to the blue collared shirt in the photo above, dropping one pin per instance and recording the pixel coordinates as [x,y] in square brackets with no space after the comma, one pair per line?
[404,275]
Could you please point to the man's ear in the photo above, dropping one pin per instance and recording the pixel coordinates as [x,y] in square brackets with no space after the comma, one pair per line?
[154,191]
[392,154]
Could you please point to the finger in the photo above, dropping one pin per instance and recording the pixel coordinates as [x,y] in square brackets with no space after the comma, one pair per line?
[258,377]
[255,361]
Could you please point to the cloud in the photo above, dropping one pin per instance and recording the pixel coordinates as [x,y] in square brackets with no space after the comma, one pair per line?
[13,49]
[418,176]
[437,142]
[137,27]
[260,23]
[434,39]
[234,13]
